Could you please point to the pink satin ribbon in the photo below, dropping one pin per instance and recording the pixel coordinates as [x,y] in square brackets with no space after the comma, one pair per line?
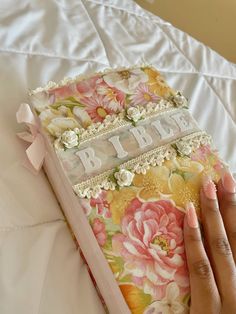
[36,151]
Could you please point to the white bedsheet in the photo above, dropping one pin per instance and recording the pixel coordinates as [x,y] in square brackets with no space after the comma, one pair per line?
[41,271]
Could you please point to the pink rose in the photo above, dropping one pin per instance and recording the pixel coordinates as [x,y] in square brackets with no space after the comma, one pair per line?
[85,203]
[62,92]
[99,231]
[88,87]
[101,205]
[152,246]
[206,155]
[202,153]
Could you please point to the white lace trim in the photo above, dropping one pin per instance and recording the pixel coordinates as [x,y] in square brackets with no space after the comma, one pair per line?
[111,179]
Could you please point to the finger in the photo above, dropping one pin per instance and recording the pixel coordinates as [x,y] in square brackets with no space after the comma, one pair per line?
[204,293]
[217,244]
[227,201]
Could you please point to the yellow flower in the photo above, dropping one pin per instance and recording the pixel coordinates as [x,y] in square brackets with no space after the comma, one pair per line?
[119,201]
[157,84]
[186,178]
[136,299]
[184,164]
[184,191]
[178,179]
[56,121]
[154,182]
[211,162]
[185,181]
[209,169]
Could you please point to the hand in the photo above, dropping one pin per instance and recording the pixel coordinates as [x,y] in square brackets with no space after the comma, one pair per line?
[211,261]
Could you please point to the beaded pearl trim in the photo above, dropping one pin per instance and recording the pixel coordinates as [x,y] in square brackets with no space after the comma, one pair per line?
[123,176]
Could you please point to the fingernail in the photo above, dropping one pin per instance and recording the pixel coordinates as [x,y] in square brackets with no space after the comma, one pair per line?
[209,188]
[229,183]
[191,215]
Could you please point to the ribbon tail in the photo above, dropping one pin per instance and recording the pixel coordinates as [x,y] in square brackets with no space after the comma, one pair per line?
[25,115]
[36,152]
[25,136]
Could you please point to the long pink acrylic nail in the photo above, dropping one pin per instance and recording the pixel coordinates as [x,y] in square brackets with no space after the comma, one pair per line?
[191,215]
[228,182]
[209,188]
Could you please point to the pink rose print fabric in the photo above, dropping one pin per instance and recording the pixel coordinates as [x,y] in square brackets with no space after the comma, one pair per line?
[90,100]
[144,243]
[99,231]
[151,244]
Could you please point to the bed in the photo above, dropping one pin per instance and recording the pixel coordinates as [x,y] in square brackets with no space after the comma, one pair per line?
[41,270]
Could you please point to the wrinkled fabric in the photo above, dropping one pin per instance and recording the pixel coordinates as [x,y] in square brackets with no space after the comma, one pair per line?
[46,40]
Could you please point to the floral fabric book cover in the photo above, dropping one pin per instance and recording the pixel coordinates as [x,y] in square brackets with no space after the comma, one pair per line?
[124,155]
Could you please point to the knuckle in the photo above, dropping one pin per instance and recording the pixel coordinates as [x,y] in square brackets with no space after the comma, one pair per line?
[202,269]
[230,202]
[193,237]
[212,206]
[222,246]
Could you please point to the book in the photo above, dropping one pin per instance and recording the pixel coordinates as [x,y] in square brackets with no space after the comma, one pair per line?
[124,156]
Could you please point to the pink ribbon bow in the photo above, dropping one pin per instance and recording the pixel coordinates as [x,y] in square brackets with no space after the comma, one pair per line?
[36,151]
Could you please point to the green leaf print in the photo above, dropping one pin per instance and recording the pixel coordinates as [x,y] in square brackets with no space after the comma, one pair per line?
[117,264]
[187,299]
[127,278]
[69,102]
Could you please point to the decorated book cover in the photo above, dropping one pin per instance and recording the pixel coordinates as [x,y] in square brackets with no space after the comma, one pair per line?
[124,156]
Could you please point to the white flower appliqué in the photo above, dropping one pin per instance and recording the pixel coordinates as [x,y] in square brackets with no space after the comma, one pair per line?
[184,148]
[170,304]
[133,114]
[180,100]
[69,139]
[124,177]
